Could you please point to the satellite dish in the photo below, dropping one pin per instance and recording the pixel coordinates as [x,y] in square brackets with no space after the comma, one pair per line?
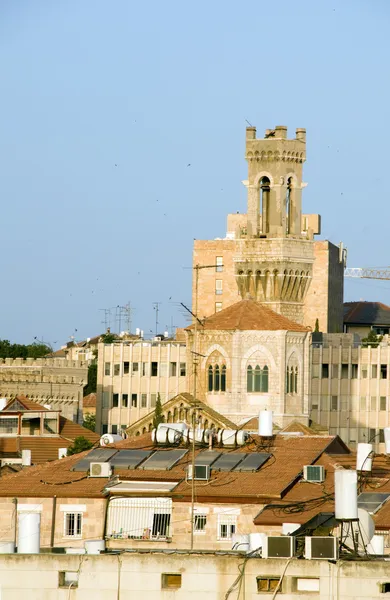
[363,534]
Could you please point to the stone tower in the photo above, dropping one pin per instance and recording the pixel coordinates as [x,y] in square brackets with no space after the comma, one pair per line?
[274,259]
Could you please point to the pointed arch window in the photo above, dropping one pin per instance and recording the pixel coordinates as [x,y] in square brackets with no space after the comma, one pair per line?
[264,380]
[296,380]
[292,380]
[249,379]
[216,378]
[210,378]
[223,378]
[257,379]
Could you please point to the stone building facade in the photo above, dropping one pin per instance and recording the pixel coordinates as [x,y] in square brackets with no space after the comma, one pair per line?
[131,374]
[270,252]
[55,381]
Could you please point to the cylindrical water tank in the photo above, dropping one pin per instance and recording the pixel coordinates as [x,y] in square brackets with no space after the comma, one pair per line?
[345,483]
[240,542]
[167,436]
[256,541]
[241,437]
[377,545]
[363,458]
[182,427]
[265,423]
[227,437]
[26,458]
[201,436]
[29,524]
[110,438]
[62,452]
[7,547]
[95,546]
[387,439]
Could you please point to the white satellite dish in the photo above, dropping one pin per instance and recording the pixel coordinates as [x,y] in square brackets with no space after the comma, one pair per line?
[363,533]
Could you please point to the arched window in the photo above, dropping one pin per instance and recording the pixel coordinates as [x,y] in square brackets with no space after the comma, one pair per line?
[296,380]
[223,378]
[291,380]
[249,379]
[264,380]
[287,380]
[216,378]
[210,379]
[289,204]
[264,203]
[257,379]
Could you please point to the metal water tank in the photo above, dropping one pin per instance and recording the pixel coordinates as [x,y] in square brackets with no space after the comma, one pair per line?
[7,547]
[377,545]
[265,423]
[29,525]
[345,483]
[95,546]
[363,458]
[110,438]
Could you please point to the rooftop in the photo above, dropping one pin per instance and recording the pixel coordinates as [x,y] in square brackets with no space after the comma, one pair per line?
[366,313]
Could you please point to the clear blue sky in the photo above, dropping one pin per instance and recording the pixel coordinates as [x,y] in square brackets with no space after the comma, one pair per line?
[150,87]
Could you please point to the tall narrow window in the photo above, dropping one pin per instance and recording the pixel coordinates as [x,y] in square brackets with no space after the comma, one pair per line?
[216,378]
[223,378]
[219,264]
[218,306]
[287,380]
[249,379]
[264,203]
[291,380]
[210,378]
[296,380]
[218,287]
[264,380]
[288,205]
[257,379]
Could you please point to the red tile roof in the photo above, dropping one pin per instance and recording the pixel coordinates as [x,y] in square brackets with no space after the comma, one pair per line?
[28,404]
[249,315]
[89,401]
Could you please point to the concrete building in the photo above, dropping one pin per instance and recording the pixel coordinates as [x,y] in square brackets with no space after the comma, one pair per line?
[131,374]
[362,317]
[270,252]
[55,381]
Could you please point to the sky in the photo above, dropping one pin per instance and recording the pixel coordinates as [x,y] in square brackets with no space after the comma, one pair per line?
[104,105]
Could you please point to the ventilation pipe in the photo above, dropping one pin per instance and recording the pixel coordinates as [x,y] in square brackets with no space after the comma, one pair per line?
[363,457]
[345,482]
[265,423]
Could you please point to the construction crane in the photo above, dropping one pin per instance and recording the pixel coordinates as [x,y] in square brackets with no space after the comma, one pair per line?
[368,273]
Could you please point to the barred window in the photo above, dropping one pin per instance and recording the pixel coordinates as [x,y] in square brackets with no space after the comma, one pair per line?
[73,524]
[226,526]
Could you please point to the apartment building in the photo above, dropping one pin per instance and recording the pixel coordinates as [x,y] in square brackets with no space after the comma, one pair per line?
[350,387]
[130,376]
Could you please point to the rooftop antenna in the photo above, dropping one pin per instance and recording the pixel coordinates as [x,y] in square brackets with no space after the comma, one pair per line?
[156,308]
[250,124]
[106,318]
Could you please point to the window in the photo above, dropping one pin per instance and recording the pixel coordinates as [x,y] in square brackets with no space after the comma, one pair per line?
[107,368]
[134,367]
[374,371]
[154,371]
[218,306]
[381,436]
[125,400]
[104,428]
[334,403]
[219,264]
[383,371]
[115,400]
[218,287]
[144,369]
[124,427]
[223,378]
[117,370]
[126,368]
[73,524]
[344,371]
[371,435]
[226,526]
[9,425]
[382,403]
[144,400]
[68,579]
[307,584]
[200,523]
[172,369]
[364,371]
[292,380]
[182,369]
[216,378]
[267,584]
[325,371]
[134,400]
[257,379]
[170,581]
[354,371]
[384,588]
[114,429]
[153,398]
[106,399]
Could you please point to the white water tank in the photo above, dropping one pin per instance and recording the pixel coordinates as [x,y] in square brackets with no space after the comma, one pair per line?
[95,546]
[256,541]
[181,427]
[3,403]
[377,545]
[201,436]
[345,483]
[29,525]
[232,437]
[363,458]
[387,439]
[265,423]
[7,547]
[240,542]
[289,528]
[26,458]
[166,436]
[137,331]
[110,438]
[62,452]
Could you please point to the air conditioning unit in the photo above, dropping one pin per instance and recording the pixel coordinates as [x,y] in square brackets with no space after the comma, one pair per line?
[282,546]
[202,472]
[314,473]
[326,548]
[99,469]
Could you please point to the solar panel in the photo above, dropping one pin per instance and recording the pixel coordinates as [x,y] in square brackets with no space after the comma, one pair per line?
[129,459]
[163,459]
[372,501]
[96,455]
[253,461]
[207,457]
[228,461]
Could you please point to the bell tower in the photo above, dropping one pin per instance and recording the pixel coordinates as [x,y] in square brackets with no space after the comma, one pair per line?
[274,258]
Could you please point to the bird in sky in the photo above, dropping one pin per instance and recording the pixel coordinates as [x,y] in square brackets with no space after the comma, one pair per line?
[189,164]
